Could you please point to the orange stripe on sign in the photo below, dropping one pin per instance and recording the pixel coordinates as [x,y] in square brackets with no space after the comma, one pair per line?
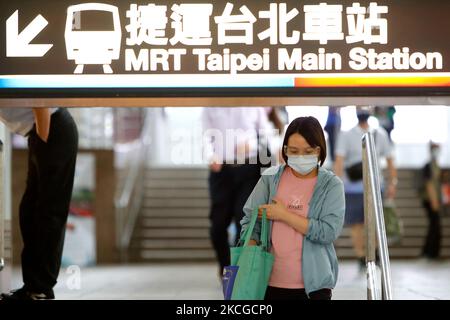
[372,82]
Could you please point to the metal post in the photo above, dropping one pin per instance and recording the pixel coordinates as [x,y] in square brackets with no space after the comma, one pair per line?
[373,207]
[2,215]
[370,234]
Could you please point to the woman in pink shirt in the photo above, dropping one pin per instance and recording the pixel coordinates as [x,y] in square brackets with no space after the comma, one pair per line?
[305,204]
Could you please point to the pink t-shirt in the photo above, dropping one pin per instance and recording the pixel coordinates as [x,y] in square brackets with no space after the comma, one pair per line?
[295,193]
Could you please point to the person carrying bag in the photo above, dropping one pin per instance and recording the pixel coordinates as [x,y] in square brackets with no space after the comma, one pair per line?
[393,224]
[248,275]
[304,205]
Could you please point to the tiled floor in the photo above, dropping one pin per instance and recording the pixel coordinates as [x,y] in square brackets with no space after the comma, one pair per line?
[412,279]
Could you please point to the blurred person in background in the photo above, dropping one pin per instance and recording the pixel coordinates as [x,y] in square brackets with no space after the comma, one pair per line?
[232,150]
[348,165]
[432,201]
[333,127]
[278,118]
[385,116]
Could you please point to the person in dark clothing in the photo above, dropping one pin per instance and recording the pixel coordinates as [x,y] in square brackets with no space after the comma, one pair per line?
[333,127]
[53,144]
[432,201]
[235,163]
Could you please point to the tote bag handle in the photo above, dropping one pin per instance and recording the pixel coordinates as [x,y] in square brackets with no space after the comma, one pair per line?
[264,238]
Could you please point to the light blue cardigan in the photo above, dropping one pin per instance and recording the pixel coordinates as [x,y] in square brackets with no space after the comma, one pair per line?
[326,218]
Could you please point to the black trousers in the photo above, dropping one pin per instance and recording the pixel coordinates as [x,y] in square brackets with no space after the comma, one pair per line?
[332,136]
[273,293]
[45,204]
[229,190]
[432,244]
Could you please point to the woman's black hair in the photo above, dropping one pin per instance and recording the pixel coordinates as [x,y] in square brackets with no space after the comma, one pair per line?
[310,129]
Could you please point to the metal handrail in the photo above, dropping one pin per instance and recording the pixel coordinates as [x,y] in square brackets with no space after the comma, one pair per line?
[374,226]
[129,201]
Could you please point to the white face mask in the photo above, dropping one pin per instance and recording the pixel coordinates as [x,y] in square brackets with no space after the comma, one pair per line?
[303,164]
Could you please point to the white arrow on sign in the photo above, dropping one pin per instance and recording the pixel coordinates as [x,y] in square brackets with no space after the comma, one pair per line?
[18,45]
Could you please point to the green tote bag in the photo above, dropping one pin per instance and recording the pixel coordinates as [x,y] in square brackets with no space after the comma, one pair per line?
[254,263]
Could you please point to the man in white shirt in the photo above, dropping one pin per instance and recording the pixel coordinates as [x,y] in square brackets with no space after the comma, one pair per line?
[53,144]
[349,154]
[233,139]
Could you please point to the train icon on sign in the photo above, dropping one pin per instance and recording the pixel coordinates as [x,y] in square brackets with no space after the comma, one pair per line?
[93,35]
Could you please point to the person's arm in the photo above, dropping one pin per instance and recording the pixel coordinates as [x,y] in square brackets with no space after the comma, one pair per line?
[387,151]
[266,136]
[259,196]
[340,153]
[339,166]
[274,117]
[42,120]
[278,212]
[392,186]
[276,137]
[208,147]
[326,228]
[323,230]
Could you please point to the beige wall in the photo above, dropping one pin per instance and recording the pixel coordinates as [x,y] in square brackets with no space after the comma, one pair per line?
[104,209]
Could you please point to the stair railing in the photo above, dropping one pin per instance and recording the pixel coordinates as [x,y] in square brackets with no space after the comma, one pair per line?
[128,202]
[374,224]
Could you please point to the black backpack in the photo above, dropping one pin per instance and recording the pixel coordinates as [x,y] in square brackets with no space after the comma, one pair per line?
[355,172]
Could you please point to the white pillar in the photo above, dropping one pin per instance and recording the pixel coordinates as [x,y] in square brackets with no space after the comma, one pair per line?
[5,207]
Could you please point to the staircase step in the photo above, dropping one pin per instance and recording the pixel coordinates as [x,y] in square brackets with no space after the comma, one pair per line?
[174,219]
[174,244]
[176,193]
[162,233]
[174,223]
[177,173]
[407,193]
[411,212]
[182,254]
[408,203]
[421,222]
[175,203]
[406,242]
[410,184]
[204,172]
[402,173]
[415,242]
[175,213]
[397,252]
[409,231]
[414,222]
[157,192]
[175,183]
[393,252]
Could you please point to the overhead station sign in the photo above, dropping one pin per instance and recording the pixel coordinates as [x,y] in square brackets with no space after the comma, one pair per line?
[204,48]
